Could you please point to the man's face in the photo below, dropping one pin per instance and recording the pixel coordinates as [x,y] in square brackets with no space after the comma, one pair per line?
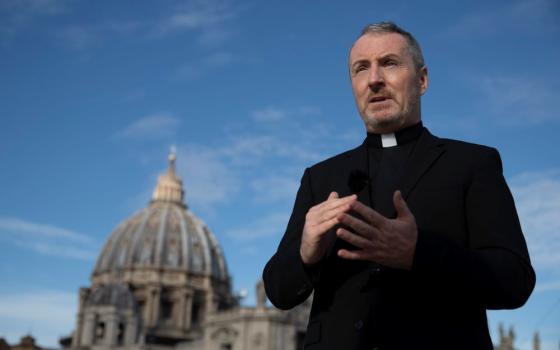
[386,83]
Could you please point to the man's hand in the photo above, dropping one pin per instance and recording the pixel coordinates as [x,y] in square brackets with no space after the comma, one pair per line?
[318,221]
[390,242]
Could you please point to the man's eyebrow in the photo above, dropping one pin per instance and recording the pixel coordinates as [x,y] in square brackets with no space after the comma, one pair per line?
[359,61]
[389,56]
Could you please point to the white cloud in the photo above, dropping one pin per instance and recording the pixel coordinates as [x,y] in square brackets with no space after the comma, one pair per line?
[58,250]
[270,225]
[547,286]
[21,227]
[249,149]
[20,14]
[33,7]
[84,36]
[522,15]
[537,196]
[215,174]
[520,99]
[208,178]
[275,188]
[47,239]
[152,126]
[48,315]
[196,69]
[268,114]
[207,17]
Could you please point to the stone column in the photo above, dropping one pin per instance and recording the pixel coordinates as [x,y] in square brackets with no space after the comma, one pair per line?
[111,328]
[76,339]
[184,309]
[155,296]
[88,330]
[130,332]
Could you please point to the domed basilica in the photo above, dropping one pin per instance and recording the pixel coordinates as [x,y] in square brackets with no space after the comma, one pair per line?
[161,282]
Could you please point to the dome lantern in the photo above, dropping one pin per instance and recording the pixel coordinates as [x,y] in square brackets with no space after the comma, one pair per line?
[169,188]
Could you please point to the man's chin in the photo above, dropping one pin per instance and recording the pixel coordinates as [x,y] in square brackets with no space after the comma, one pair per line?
[383,123]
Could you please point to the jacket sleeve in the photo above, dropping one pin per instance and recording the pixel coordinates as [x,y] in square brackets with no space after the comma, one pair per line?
[287,281]
[493,269]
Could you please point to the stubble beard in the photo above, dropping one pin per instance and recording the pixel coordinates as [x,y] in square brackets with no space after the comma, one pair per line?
[392,122]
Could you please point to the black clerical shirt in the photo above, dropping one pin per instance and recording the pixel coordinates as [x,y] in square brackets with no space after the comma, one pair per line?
[387,165]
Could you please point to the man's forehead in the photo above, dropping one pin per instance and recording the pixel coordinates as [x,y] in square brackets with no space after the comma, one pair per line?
[378,44]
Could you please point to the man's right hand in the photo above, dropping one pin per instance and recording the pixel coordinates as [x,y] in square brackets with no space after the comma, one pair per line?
[318,221]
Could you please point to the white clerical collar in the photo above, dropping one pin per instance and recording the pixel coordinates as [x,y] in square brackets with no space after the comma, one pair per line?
[388,140]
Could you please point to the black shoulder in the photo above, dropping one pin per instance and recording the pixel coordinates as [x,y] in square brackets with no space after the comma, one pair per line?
[338,160]
[468,147]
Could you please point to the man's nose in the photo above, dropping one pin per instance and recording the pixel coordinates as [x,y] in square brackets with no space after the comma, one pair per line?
[375,79]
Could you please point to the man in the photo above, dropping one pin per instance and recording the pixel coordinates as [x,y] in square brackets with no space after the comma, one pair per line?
[408,239]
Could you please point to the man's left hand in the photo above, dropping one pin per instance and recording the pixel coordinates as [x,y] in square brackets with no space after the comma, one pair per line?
[390,242]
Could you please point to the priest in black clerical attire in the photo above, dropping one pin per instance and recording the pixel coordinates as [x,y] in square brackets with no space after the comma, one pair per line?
[406,240]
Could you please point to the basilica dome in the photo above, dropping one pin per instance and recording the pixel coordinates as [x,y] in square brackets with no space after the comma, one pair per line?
[163,237]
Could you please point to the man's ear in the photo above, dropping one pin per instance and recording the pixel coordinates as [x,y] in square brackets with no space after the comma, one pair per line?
[423,76]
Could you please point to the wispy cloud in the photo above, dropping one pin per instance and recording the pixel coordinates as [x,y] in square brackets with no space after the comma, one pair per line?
[85,36]
[214,174]
[208,177]
[520,99]
[23,227]
[208,22]
[264,227]
[275,188]
[47,314]
[197,68]
[268,114]
[537,196]
[547,286]
[17,15]
[151,127]
[207,18]
[522,15]
[47,239]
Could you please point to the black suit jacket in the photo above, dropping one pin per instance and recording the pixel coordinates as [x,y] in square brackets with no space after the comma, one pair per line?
[470,256]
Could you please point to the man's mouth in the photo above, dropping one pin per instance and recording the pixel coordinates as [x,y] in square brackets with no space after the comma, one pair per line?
[378,99]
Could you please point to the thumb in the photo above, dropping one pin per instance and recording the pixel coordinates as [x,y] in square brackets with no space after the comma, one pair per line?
[332,195]
[400,205]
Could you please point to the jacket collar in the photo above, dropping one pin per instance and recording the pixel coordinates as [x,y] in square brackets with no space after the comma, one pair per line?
[425,153]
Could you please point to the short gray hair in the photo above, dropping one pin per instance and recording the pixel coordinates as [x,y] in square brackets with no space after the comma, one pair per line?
[390,27]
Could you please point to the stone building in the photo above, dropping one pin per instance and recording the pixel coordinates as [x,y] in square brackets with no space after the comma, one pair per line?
[161,282]
[27,342]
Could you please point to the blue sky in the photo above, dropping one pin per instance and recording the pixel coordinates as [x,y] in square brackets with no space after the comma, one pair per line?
[93,94]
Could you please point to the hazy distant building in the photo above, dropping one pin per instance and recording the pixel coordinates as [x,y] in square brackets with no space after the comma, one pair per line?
[161,282]
[27,342]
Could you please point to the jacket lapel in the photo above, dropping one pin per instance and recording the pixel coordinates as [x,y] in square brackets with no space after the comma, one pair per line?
[360,169]
[355,178]
[428,149]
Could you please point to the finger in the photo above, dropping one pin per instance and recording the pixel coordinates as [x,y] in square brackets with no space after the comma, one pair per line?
[362,228]
[355,240]
[352,254]
[334,212]
[325,226]
[332,195]
[333,203]
[370,215]
[400,205]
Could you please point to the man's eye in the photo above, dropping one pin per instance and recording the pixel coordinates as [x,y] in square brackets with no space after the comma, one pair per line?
[390,63]
[360,68]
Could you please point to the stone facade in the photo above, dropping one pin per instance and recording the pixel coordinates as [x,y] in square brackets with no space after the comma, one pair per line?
[161,282]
